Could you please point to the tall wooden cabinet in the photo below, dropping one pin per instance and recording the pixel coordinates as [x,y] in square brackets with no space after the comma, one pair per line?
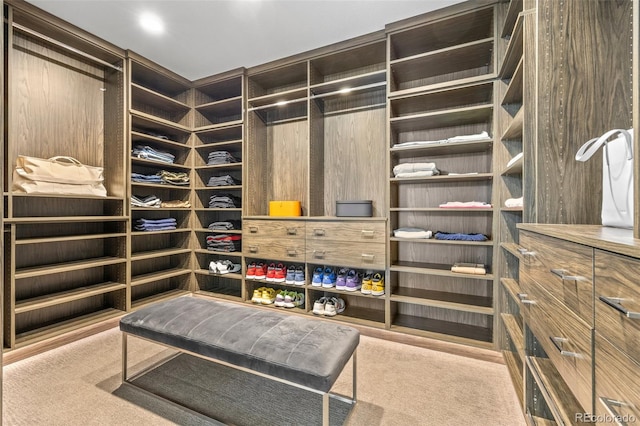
[65,256]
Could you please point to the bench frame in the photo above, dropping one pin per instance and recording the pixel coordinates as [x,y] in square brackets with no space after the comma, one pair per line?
[325,395]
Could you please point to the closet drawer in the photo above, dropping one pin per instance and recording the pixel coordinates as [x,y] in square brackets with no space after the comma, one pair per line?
[564,337]
[284,249]
[274,228]
[339,253]
[347,231]
[618,301]
[617,378]
[563,268]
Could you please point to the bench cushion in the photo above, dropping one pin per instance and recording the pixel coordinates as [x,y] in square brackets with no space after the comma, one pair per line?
[305,351]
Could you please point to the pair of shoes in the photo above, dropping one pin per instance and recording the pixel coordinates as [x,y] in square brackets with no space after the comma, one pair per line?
[223,267]
[373,284]
[256,271]
[329,306]
[276,273]
[264,296]
[289,299]
[324,277]
[349,280]
[295,275]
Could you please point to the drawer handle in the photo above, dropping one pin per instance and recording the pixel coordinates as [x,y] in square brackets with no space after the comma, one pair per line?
[367,233]
[319,254]
[292,231]
[318,232]
[611,406]
[253,229]
[616,303]
[558,341]
[253,249]
[564,276]
[524,252]
[368,257]
[523,299]
[291,252]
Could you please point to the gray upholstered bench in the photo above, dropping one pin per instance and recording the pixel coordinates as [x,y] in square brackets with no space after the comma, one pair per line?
[303,352]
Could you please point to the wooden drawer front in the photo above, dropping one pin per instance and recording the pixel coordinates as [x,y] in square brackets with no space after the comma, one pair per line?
[617,390]
[618,301]
[285,249]
[340,253]
[274,228]
[566,339]
[347,231]
[564,269]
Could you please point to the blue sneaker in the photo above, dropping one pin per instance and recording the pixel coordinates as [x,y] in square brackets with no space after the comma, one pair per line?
[329,278]
[298,278]
[291,273]
[317,277]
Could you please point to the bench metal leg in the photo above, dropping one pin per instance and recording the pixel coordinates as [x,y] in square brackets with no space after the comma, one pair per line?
[354,380]
[124,357]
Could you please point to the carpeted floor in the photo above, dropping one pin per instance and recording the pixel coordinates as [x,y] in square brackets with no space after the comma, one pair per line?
[79,384]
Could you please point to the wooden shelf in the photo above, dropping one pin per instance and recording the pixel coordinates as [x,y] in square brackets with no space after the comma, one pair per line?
[516,373]
[444,300]
[441,210]
[37,271]
[514,169]
[445,178]
[219,126]
[443,149]
[221,209]
[513,94]
[217,145]
[514,50]
[446,242]
[63,219]
[514,330]
[512,248]
[171,294]
[219,188]
[45,332]
[513,288]
[157,122]
[63,238]
[434,269]
[149,138]
[514,131]
[158,164]
[155,254]
[170,231]
[467,334]
[219,166]
[369,81]
[337,292]
[219,253]
[160,186]
[219,231]
[232,276]
[223,107]
[219,294]
[54,299]
[515,7]
[157,276]
[453,117]
[277,99]
[512,209]
[23,195]
[159,209]
[358,315]
[156,99]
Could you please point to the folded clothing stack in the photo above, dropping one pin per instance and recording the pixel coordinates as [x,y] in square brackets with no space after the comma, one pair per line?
[145,201]
[149,153]
[156,224]
[221,157]
[439,235]
[479,137]
[469,268]
[163,176]
[513,202]
[225,180]
[223,242]
[224,201]
[407,232]
[138,177]
[224,225]
[175,204]
[412,170]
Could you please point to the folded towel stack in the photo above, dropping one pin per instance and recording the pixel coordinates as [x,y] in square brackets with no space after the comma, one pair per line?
[414,170]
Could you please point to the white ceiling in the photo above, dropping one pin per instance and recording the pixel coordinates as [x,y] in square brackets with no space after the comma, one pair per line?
[206,37]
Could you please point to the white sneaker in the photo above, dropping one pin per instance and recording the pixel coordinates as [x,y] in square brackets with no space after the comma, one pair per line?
[330,308]
[319,305]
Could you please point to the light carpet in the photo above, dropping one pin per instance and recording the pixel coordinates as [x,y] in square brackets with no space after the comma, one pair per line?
[398,384]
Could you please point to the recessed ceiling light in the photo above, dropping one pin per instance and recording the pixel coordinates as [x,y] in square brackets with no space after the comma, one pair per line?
[151,23]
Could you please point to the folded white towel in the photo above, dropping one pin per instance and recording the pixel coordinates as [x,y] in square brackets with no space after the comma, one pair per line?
[413,167]
[418,143]
[465,204]
[420,173]
[483,136]
[416,233]
[514,159]
[513,202]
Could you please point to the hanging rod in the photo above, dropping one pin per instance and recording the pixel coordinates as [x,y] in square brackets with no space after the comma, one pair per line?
[64,46]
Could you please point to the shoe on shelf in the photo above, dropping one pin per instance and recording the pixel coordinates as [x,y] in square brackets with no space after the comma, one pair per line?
[271,272]
[339,304]
[298,278]
[330,308]
[228,267]
[213,267]
[377,288]
[279,276]
[261,271]
[318,306]
[257,295]
[294,300]
[251,271]
[366,283]
[268,296]
[291,274]
[280,298]
[317,277]
[328,278]
[354,282]
[341,280]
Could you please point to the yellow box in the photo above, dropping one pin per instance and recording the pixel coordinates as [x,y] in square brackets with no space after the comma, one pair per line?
[284,208]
